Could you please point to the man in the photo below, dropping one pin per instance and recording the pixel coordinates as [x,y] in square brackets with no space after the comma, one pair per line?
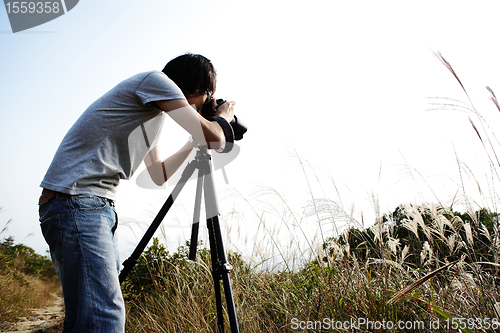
[106,144]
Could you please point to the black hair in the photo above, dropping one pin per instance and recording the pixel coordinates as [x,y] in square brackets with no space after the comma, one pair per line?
[192,73]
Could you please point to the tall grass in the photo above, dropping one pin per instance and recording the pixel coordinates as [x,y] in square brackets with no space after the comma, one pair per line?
[423,263]
[27,281]
[386,277]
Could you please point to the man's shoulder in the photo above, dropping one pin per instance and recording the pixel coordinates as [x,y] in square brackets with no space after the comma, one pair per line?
[147,86]
[157,82]
[139,77]
[153,77]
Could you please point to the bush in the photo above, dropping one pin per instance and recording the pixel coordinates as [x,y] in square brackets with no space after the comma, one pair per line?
[425,235]
[27,280]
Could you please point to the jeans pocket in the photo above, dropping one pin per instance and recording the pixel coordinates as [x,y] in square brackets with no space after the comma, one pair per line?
[89,203]
[51,231]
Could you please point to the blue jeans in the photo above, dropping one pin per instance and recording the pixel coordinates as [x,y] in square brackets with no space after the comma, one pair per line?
[80,231]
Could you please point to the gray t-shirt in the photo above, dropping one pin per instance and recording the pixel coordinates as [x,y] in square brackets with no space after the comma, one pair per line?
[112,137]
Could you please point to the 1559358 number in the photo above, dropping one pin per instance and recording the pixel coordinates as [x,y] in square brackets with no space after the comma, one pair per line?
[32,7]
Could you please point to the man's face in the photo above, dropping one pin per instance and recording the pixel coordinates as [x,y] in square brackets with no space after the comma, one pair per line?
[198,101]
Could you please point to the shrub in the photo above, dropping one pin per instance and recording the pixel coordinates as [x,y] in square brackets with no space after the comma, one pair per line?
[27,280]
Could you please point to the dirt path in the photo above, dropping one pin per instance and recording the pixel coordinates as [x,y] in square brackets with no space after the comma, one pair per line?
[48,320]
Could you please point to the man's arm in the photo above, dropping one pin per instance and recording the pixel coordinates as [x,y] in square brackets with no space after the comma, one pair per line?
[160,170]
[207,133]
[202,130]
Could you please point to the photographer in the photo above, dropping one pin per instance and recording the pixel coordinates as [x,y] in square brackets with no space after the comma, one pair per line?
[77,214]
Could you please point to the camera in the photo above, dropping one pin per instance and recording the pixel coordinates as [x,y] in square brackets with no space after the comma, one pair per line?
[238,127]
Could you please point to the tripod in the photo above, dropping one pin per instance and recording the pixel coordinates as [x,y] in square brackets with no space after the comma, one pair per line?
[220,266]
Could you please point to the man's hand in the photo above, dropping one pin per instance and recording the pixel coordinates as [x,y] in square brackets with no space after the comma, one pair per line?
[226,111]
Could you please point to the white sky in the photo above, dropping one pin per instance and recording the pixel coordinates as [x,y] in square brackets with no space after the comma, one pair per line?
[344,84]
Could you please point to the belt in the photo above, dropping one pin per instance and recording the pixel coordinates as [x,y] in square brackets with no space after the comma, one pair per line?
[47,195]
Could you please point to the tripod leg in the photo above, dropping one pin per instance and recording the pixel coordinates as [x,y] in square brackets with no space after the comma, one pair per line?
[196,217]
[220,266]
[132,260]
[221,269]
[216,276]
